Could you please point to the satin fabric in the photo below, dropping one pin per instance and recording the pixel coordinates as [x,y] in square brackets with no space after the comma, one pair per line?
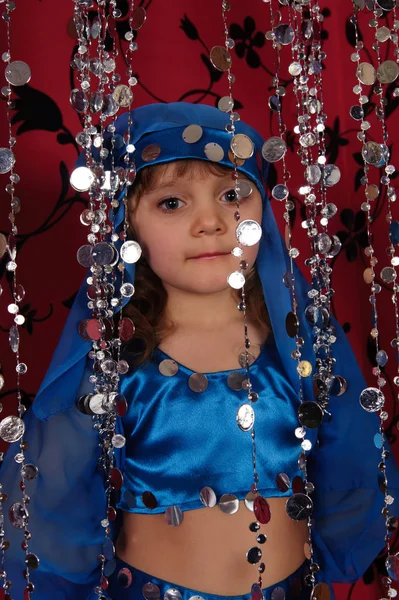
[68,499]
[174,457]
[176,444]
[293,586]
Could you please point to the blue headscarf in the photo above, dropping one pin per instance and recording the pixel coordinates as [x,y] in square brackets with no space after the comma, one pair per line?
[162,126]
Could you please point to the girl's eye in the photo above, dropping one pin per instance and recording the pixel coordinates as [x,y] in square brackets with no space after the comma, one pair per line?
[169,205]
[230,196]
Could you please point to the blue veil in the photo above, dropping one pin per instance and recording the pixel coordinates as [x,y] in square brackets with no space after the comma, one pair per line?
[67,499]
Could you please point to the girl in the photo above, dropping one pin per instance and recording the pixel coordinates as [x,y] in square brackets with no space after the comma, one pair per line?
[188,529]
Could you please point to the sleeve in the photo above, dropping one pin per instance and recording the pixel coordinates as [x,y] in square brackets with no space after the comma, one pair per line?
[349,527]
[67,505]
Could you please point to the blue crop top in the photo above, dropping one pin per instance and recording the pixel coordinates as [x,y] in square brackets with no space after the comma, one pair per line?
[179,440]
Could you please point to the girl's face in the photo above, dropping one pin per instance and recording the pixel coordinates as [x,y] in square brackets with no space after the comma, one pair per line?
[184,217]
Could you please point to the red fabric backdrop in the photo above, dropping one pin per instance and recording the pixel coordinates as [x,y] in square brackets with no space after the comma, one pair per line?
[172,64]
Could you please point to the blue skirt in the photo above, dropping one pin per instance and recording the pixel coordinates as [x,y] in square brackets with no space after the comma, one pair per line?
[128,583]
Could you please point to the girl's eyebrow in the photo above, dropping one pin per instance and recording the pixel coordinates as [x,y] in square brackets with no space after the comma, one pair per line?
[176,180]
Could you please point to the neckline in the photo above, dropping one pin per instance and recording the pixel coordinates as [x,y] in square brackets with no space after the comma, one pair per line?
[185,369]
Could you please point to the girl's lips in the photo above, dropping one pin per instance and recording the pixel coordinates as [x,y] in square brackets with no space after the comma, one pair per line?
[210,256]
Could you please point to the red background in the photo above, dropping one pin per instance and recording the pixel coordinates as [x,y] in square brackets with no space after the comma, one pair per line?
[169,67]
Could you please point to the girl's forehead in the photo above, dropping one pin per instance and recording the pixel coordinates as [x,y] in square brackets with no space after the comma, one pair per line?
[189,170]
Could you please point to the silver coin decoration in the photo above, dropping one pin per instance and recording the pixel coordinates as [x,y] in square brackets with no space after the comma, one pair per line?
[108,549]
[313,174]
[278,594]
[386,4]
[138,17]
[274,103]
[220,58]
[356,112]
[96,404]
[383,34]
[198,382]
[388,274]
[372,399]
[29,472]
[168,367]
[299,507]
[196,598]
[235,380]
[96,104]
[284,34]
[283,482]
[229,504]
[102,253]
[124,578]
[172,594]
[245,417]
[324,244]
[14,338]
[151,591]
[236,280]
[208,497]
[81,179]
[18,73]
[123,95]
[226,104]
[32,561]
[392,565]
[84,256]
[130,252]
[18,515]
[248,232]
[173,516]
[7,160]
[242,146]
[151,152]
[307,140]
[336,247]
[214,152]
[280,192]
[366,73]
[295,69]
[110,106]
[11,429]
[79,101]
[243,357]
[249,500]
[388,72]
[118,441]
[243,188]
[374,153]
[331,175]
[192,134]
[127,290]
[274,149]
[381,358]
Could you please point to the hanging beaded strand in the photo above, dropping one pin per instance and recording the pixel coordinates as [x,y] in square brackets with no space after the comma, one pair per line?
[281,193]
[306,68]
[101,256]
[248,233]
[378,155]
[12,428]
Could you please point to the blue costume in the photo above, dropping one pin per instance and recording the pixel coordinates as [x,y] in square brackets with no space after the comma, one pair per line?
[67,498]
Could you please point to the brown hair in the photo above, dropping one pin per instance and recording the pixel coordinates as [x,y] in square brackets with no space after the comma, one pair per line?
[147,308]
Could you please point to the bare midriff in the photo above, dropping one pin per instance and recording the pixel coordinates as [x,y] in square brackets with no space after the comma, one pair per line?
[207,551]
